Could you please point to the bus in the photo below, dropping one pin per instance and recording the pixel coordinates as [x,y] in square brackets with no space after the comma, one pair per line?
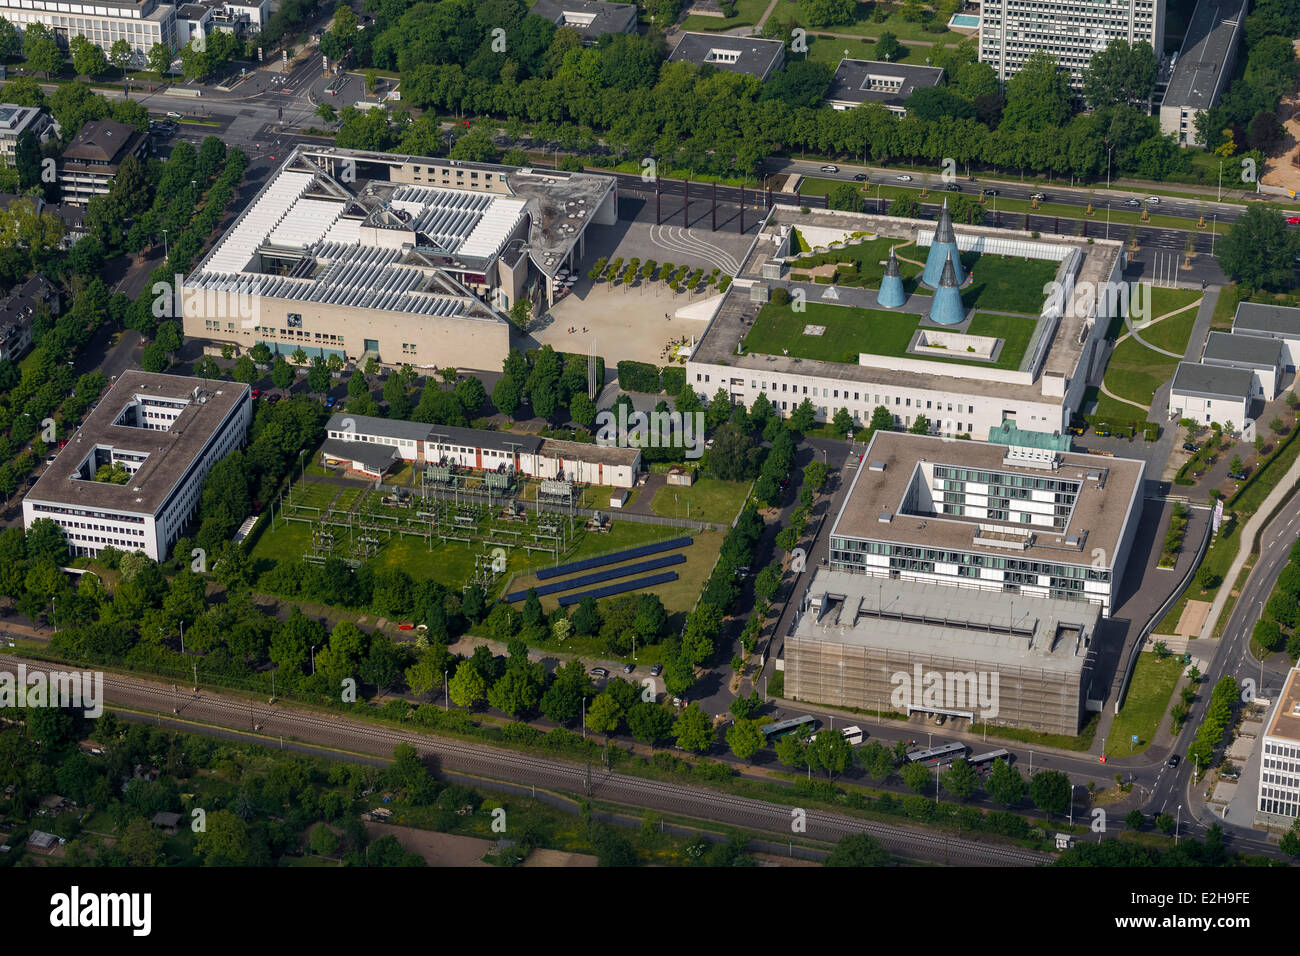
[784,728]
[852,736]
[985,761]
[942,754]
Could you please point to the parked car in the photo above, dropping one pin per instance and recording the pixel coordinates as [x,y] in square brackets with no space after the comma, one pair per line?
[1174,760]
[1189,446]
[257,393]
[828,168]
[329,401]
[656,670]
[599,672]
[1237,475]
[859,177]
[628,668]
[272,399]
[903,178]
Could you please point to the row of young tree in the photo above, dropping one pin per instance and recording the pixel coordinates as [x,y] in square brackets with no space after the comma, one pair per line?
[726,123]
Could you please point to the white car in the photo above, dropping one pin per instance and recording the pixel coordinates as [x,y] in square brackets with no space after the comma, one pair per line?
[828,168]
[904,178]
[1153,200]
[173,114]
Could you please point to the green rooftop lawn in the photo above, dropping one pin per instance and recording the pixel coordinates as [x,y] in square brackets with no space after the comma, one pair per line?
[862,263]
[1006,283]
[850,331]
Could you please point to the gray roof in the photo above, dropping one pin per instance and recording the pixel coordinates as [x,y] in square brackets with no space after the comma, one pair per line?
[936,619]
[482,438]
[171,453]
[607,17]
[853,81]
[1259,318]
[386,427]
[1252,351]
[1216,381]
[375,456]
[756,56]
[1199,75]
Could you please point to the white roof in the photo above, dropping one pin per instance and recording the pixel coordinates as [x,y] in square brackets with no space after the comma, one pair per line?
[236,249]
[307,221]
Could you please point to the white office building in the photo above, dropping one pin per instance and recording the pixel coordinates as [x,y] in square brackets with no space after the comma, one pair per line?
[1279,768]
[141,23]
[1070,30]
[166,432]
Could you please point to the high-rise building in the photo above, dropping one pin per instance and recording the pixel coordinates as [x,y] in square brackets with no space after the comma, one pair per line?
[1070,30]
[1279,769]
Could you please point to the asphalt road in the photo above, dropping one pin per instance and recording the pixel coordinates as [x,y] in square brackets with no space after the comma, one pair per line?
[275,721]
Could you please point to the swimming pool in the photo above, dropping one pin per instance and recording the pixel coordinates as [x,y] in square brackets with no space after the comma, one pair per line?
[969,21]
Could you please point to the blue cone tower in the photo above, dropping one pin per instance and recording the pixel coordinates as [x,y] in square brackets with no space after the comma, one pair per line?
[945,242]
[891,294]
[946,309]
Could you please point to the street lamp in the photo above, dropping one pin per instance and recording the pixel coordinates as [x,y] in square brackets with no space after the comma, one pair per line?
[447,691]
[1220,181]
[1178,824]
[166,254]
[313,660]
[1109,148]
[584,718]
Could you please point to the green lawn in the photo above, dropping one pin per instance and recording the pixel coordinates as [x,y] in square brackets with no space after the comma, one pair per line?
[779,329]
[866,258]
[1006,283]
[1164,301]
[747,15]
[1135,372]
[709,499]
[1146,705]
[1171,334]
[678,596]
[450,562]
[861,25]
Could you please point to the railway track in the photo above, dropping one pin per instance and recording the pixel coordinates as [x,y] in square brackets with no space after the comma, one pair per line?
[273,721]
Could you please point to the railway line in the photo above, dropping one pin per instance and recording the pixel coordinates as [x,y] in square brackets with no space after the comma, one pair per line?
[272,721]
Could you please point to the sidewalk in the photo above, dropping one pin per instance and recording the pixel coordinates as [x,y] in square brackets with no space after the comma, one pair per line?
[1248,533]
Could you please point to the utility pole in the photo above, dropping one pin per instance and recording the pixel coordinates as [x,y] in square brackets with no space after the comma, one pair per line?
[715,206]
[686,201]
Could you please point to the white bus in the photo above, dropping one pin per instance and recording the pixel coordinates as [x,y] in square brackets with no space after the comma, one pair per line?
[852,736]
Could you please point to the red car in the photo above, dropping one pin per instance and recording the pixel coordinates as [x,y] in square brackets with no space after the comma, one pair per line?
[257,393]
[1293,220]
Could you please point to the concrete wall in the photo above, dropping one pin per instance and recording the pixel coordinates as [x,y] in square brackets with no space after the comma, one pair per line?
[421,340]
[852,675]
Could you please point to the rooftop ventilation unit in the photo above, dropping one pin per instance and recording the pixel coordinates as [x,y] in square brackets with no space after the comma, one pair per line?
[886,517]
[876,466]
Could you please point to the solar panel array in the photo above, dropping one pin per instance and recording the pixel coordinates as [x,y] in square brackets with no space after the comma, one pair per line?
[611,589]
[615,558]
[598,576]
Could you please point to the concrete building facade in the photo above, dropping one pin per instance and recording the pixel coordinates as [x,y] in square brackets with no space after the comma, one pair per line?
[166,432]
[1070,30]
[406,259]
[1019,519]
[1279,769]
